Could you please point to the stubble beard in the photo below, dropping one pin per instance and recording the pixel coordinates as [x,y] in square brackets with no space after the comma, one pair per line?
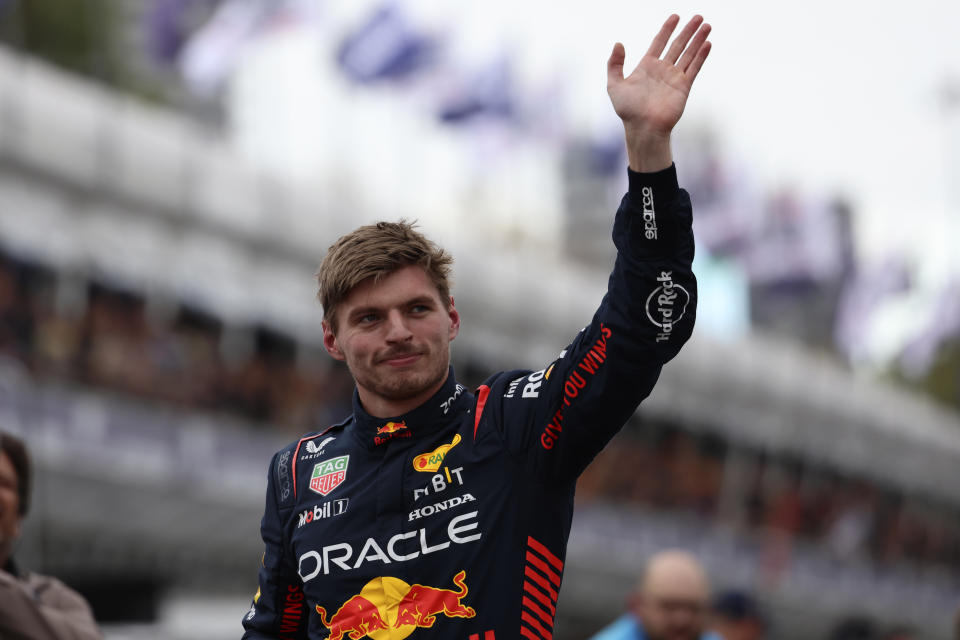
[403,385]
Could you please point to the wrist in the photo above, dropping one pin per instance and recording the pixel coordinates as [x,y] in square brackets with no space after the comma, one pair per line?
[648,151]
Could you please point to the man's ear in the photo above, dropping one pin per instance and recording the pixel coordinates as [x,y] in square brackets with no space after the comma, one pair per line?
[330,342]
[454,320]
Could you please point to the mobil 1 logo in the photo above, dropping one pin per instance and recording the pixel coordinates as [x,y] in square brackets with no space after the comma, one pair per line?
[323,511]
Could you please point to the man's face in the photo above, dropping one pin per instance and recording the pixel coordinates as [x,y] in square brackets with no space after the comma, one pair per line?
[395,337]
[673,616]
[9,507]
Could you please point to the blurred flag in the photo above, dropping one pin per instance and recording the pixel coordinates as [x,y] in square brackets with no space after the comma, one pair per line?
[168,24]
[488,92]
[386,47]
[210,54]
[862,295]
[798,245]
[725,195]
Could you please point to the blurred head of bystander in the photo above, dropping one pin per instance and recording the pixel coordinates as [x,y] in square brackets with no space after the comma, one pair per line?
[737,616]
[14,492]
[672,598]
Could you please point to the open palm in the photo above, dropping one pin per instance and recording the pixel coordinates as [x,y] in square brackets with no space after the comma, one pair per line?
[652,98]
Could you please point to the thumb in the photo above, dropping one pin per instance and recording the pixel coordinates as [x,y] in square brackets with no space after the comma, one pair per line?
[615,64]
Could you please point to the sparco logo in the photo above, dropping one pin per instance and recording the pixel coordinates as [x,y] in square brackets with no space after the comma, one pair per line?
[283,475]
[666,305]
[649,215]
[321,511]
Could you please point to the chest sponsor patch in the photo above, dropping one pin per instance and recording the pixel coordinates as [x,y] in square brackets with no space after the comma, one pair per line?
[329,474]
[431,461]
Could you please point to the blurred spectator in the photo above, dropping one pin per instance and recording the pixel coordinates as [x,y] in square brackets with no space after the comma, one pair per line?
[899,633]
[736,616]
[853,628]
[14,321]
[32,606]
[670,603]
[849,532]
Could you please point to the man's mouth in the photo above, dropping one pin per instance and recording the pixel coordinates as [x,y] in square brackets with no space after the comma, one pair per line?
[401,359]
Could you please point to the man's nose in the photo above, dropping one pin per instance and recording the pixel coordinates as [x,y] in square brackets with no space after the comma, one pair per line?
[397,329]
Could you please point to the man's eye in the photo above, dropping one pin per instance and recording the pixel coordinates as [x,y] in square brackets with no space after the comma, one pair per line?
[419,308]
[367,319]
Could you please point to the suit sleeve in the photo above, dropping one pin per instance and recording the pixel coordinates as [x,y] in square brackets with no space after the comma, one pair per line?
[279,610]
[558,418]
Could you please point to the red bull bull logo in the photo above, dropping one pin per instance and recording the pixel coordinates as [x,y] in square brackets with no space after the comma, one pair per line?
[391,427]
[391,430]
[388,608]
[358,617]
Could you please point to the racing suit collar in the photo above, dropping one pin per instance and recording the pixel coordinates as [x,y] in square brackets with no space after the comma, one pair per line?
[426,419]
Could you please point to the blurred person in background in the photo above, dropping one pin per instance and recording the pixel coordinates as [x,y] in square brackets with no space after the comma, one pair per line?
[671,602]
[736,616]
[854,628]
[437,511]
[899,633]
[32,606]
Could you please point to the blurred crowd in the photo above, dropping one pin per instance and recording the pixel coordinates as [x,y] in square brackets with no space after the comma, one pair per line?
[93,334]
[785,501]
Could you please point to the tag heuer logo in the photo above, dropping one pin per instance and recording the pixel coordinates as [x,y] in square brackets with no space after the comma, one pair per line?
[329,474]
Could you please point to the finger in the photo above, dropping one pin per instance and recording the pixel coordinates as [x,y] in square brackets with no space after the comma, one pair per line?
[615,64]
[680,42]
[661,39]
[694,47]
[694,67]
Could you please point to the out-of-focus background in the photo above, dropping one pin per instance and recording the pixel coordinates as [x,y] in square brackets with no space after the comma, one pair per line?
[171,172]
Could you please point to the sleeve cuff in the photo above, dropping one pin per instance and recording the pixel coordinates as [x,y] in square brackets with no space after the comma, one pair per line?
[663,182]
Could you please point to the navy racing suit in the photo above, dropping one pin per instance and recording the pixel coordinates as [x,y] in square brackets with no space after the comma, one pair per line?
[451,521]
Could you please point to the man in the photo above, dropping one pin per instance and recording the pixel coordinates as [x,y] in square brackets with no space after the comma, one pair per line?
[32,607]
[439,513]
[736,616]
[671,602]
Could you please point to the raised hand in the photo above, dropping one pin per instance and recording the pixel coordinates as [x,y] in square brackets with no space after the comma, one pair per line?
[651,99]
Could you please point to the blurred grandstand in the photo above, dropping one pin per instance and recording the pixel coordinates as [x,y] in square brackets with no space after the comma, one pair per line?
[159,340]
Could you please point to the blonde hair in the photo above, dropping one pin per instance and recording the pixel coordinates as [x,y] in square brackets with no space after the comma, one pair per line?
[374,251]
